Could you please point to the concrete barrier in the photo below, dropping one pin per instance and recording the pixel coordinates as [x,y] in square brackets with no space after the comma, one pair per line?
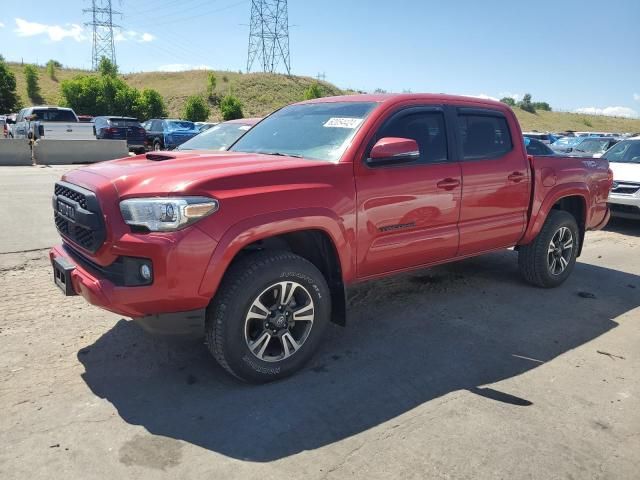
[15,152]
[66,152]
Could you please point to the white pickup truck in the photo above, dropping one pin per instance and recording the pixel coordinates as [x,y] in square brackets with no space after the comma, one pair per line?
[52,123]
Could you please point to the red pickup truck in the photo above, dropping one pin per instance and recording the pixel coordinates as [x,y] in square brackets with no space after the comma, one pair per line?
[254,247]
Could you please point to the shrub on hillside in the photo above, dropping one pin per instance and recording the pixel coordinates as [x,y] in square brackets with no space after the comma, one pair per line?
[314,91]
[211,86]
[151,105]
[231,108]
[508,101]
[33,87]
[52,66]
[107,68]
[9,101]
[196,109]
[544,106]
[526,105]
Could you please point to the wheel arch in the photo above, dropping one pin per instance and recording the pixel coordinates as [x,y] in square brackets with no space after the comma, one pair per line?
[320,239]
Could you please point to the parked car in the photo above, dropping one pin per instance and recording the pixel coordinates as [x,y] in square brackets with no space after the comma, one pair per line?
[255,247]
[593,146]
[52,123]
[536,147]
[546,138]
[122,128]
[4,131]
[86,118]
[10,122]
[221,136]
[167,134]
[565,144]
[624,160]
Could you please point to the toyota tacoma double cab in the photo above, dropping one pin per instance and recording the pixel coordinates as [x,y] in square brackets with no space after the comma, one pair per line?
[254,247]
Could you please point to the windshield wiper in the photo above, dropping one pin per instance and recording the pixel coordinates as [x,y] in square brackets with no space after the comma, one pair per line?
[280,154]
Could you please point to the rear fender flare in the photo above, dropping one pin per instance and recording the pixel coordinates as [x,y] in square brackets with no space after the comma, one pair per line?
[540,210]
[261,227]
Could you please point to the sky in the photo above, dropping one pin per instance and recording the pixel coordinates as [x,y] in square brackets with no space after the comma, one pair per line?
[576,55]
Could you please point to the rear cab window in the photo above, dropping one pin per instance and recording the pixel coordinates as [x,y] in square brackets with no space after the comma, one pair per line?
[483,134]
[54,115]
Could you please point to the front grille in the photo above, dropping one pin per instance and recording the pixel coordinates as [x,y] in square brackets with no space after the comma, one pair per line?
[71,194]
[626,188]
[629,209]
[78,217]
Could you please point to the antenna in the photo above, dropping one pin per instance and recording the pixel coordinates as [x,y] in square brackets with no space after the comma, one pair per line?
[269,35]
[102,23]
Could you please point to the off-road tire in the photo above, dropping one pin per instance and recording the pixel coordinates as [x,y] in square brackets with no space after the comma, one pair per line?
[245,279]
[533,258]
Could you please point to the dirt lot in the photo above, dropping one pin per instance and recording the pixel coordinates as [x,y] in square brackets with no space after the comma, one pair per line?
[461,371]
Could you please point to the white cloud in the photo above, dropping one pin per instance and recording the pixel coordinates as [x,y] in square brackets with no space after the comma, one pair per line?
[182,67]
[608,111]
[1,25]
[133,36]
[636,97]
[55,33]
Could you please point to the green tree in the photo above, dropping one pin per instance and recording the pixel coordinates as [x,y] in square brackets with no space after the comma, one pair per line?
[52,66]
[33,87]
[231,108]
[211,85]
[151,105]
[314,91]
[9,101]
[508,101]
[544,106]
[196,109]
[526,105]
[107,68]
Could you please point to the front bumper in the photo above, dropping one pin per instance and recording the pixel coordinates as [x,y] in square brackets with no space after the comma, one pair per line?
[625,206]
[179,263]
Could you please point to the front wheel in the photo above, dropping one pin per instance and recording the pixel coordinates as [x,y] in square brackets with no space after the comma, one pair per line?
[268,316]
[550,258]
[157,146]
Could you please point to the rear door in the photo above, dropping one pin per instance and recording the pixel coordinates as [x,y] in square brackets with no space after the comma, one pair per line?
[496,180]
[408,213]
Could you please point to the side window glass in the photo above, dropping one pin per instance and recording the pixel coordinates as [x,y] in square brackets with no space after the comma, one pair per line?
[483,136]
[427,129]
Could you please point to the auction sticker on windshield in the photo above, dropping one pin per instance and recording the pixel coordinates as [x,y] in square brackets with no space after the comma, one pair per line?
[338,122]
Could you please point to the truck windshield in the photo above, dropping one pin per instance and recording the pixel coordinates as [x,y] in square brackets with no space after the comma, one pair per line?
[627,151]
[318,131]
[54,115]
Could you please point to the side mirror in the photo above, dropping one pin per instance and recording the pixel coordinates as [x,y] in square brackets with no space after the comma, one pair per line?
[393,150]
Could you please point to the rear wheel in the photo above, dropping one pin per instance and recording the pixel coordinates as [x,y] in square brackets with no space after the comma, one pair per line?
[268,316]
[549,260]
[157,146]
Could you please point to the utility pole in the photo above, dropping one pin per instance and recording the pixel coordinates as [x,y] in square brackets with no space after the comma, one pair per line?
[102,23]
[321,76]
[269,35]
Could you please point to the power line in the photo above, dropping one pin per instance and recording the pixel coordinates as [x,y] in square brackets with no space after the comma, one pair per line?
[269,35]
[102,23]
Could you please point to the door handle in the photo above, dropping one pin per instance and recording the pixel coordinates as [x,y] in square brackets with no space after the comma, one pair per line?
[448,184]
[516,177]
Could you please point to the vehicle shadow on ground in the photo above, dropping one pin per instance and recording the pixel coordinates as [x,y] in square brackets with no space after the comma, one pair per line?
[624,226]
[410,339]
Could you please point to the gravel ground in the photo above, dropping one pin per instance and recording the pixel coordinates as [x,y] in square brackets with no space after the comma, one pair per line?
[461,371]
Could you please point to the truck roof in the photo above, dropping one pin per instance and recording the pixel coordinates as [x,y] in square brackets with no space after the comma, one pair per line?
[399,97]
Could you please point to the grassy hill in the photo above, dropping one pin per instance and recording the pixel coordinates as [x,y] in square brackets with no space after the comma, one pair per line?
[261,93]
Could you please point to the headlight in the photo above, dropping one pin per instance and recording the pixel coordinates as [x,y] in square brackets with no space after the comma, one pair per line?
[166,214]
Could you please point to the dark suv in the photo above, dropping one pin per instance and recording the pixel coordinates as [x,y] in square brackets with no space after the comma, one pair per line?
[167,134]
[121,128]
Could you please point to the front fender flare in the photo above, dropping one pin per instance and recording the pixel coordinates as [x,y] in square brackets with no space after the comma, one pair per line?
[261,227]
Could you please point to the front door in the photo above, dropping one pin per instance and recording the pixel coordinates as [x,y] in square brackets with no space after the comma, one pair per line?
[408,213]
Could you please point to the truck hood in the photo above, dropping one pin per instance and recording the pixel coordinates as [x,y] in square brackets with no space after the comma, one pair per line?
[172,172]
[625,172]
